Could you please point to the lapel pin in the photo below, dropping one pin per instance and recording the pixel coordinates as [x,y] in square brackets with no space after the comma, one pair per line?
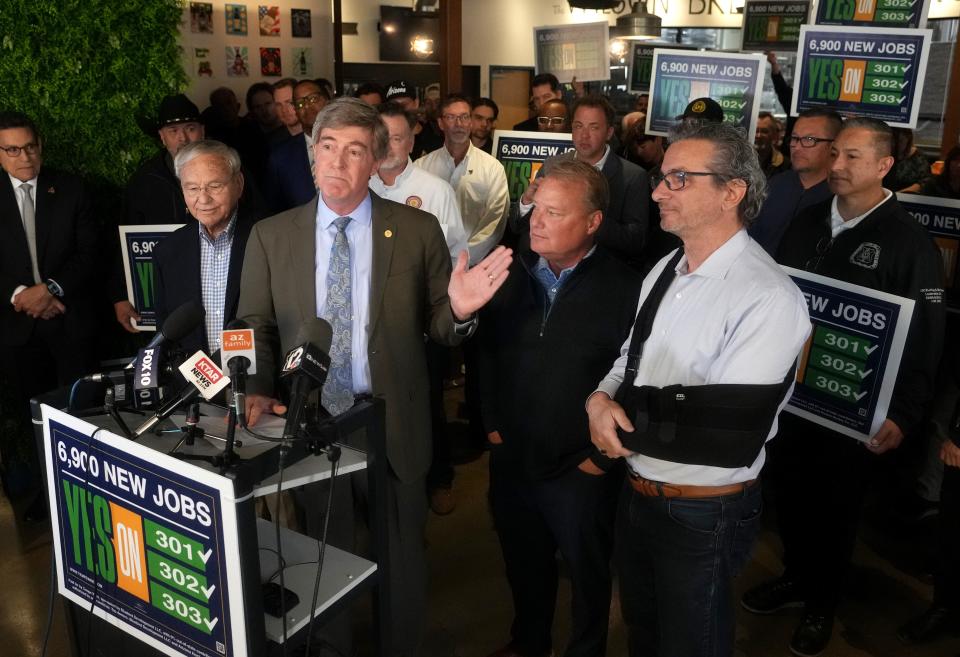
[388,233]
[51,191]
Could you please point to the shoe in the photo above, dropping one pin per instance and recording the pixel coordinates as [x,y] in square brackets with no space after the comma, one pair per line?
[771,596]
[812,635]
[37,511]
[931,624]
[442,501]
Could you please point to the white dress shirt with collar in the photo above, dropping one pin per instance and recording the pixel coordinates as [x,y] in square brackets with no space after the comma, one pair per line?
[738,318]
[480,184]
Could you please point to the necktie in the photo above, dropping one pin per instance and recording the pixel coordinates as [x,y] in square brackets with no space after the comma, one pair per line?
[337,395]
[30,228]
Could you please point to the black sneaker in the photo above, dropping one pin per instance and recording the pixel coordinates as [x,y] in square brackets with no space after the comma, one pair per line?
[933,623]
[771,596]
[812,635]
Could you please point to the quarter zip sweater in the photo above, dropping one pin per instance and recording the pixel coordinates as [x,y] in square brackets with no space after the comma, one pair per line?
[539,360]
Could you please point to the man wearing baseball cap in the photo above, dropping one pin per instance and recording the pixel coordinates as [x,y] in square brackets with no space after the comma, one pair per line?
[427,137]
[702,109]
[153,193]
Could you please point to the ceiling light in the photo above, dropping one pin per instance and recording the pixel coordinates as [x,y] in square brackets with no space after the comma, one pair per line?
[638,24]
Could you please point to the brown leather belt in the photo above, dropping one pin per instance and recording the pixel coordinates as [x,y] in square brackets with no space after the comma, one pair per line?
[649,488]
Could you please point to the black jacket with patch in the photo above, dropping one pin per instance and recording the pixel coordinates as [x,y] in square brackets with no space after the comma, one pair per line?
[891,252]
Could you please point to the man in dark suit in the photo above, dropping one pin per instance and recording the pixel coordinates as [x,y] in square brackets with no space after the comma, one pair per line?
[624,227]
[379,272]
[48,256]
[290,167]
[543,87]
[202,260]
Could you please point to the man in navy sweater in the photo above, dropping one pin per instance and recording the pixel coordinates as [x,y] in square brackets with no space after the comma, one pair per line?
[545,340]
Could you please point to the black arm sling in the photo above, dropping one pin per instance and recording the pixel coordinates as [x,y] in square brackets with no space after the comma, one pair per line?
[721,425]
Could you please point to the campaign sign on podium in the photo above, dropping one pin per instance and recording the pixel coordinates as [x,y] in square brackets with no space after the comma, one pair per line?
[137,244]
[145,538]
[849,364]
[941,218]
[862,71]
[522,154]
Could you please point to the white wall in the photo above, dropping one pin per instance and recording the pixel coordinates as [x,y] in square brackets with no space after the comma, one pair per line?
[320,43]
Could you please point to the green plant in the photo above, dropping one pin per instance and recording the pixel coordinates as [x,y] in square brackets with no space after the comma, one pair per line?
[85,71]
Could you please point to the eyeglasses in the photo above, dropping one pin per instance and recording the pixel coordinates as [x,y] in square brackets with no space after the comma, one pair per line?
[14,151]
[550,120]
[676,179]
[214,189]
[822,247]
[807,141]
[456,118]
[307,101]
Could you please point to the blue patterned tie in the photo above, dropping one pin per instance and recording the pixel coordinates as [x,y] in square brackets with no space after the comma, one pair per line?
[337,395]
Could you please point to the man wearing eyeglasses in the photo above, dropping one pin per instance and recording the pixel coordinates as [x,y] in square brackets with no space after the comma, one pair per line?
[49,251]
[805,183]
[624,227]
[290,165]
[202,260]
[863,236]
[552,117]
[725,334]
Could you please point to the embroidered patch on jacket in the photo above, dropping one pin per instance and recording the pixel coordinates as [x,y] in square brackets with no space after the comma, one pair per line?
[414,201]
[867,255]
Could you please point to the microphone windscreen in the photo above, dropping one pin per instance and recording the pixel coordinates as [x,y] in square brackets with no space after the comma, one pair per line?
[318,332]
[183,320]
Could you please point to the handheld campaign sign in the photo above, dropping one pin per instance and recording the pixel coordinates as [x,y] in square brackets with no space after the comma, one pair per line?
[522,154]
[849,365]
[773,24]
[941,218]
[641,63]
[733,80]
[137,244]
[150,539]
[573,51]
[864,71]
[873,13]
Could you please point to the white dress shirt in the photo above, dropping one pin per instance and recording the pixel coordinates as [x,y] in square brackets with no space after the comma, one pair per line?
[480,184]
[360,236]
[421,189]
[738,318]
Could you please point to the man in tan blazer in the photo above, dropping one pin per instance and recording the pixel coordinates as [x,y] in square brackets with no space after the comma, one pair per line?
[401,288]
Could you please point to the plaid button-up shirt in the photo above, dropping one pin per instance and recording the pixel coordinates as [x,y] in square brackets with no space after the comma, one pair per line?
[214,269]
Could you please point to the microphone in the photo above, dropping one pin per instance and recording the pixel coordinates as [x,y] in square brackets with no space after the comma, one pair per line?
[179,323]
[306,367]
[238,356]
[204,378]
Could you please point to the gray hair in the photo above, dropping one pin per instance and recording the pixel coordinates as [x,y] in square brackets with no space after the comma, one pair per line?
[195,149]
[352,112]
[577,171]
[734,158]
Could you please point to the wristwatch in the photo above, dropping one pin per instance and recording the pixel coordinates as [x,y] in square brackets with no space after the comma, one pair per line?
[54,288]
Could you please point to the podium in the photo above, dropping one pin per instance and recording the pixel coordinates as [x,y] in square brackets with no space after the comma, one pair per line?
[165,556]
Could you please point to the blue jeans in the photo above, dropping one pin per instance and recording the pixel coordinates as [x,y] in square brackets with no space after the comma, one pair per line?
[677,559]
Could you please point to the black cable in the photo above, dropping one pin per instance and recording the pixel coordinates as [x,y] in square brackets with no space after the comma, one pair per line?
[96,570]
[53,588]
[334,457]
[276,526]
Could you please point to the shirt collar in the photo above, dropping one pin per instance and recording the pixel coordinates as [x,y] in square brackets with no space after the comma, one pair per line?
[542,264]
[361,214]
[603,160]
[838,224]
[16,182]
[719,262]
[466,158]
[406,173]
[225,235]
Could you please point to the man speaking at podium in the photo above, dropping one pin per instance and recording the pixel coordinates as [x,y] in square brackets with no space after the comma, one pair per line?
[379,272]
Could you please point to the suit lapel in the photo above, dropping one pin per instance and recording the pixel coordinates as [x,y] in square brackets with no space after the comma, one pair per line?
[303,240]
[46,212]
[384,237]
[241,232]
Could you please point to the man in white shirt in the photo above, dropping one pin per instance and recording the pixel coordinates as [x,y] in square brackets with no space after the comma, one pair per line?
[729,316]
[478,179]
